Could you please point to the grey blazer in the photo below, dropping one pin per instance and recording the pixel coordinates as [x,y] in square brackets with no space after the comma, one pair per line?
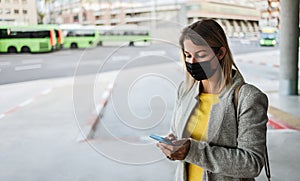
[235,147]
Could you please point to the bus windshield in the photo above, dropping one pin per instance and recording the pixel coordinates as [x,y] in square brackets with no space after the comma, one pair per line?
[268,35]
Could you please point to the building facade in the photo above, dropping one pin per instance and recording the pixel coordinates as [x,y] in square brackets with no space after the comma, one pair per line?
[18,12]
[270,13]
[239,18]
[108,13]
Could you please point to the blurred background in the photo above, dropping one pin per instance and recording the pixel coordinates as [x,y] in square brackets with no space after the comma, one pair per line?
[83,83]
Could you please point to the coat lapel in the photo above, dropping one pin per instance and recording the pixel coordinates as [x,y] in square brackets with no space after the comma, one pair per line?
[187,107]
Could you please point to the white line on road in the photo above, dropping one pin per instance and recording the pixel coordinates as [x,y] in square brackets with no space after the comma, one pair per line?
[155,52]
[28,67]
[47,91]
[246,42]
[90,62]
[5,63]
[120,58]
[31,61]
[25,103]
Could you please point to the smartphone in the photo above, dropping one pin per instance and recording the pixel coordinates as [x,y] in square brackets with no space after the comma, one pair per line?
[161,139]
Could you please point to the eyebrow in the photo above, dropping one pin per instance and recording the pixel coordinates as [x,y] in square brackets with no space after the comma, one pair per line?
[196,51]
[200,51]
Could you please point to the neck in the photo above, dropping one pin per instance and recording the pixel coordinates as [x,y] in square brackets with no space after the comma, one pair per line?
[209,87]
[212,85]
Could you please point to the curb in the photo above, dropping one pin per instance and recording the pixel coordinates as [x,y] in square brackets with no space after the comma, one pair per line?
[279,119]
[278,124]
[86,132]
[26,102]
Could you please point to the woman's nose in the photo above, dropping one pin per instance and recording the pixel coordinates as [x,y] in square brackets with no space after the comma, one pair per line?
[192,60]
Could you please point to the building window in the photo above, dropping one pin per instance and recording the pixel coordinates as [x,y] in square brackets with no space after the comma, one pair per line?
[24,1]
[7,11]
[24,11]
[16,1]
[16,11]
[76,18]
[0,10]
[7,1]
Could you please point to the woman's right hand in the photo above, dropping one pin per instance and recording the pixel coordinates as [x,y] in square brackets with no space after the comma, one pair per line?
[178,150]
[171,137]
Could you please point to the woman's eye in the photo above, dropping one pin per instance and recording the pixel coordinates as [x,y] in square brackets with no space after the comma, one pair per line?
[200,56]
[188,56]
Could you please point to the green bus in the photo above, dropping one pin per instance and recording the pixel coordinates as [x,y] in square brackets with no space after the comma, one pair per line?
[268,36]
[15,39]
[124,34]
[57,30]
[80,37]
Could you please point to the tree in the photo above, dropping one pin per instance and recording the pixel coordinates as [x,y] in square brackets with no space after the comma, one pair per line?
[45,8]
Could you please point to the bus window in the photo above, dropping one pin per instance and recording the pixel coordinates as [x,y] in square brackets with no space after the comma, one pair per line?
[40,34]
[118,34]
[4,33]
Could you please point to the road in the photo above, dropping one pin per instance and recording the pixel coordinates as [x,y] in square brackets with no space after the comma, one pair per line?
[67,63]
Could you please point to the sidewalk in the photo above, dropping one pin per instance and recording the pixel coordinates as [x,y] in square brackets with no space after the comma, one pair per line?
[284,110]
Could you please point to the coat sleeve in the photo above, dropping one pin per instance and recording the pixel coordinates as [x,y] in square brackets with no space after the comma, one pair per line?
[245,160]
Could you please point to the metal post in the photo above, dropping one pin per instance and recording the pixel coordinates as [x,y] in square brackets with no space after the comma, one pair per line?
[289,22]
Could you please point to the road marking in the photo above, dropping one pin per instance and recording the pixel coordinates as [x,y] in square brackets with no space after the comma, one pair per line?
[120,58]
[246,42]
[155,52]
[5,63]
[47,91]
[25,103]
[32,61]
[28,67]
[90,62]
[11,110]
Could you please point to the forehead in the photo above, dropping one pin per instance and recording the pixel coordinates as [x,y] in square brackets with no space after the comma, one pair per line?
[190,47]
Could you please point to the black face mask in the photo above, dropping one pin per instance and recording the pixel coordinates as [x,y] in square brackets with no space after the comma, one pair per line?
[200,70]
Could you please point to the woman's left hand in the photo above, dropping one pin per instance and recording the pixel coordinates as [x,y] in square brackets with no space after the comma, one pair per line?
[177,151]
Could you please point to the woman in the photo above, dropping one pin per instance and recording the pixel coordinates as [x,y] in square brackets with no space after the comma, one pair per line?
[211,138]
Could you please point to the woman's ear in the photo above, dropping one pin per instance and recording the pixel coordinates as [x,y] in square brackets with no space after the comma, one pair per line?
[222,52]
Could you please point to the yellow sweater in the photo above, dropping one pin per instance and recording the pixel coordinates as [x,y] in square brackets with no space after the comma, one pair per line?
[197,128]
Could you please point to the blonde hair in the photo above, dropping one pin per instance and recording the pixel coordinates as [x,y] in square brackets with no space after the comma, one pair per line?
[208,32]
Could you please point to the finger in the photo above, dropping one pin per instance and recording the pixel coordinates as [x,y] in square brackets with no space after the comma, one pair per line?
[165,151]
[171,137]
[170,158]
[172,148]
[180,142]
[168,149]
[164,147]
